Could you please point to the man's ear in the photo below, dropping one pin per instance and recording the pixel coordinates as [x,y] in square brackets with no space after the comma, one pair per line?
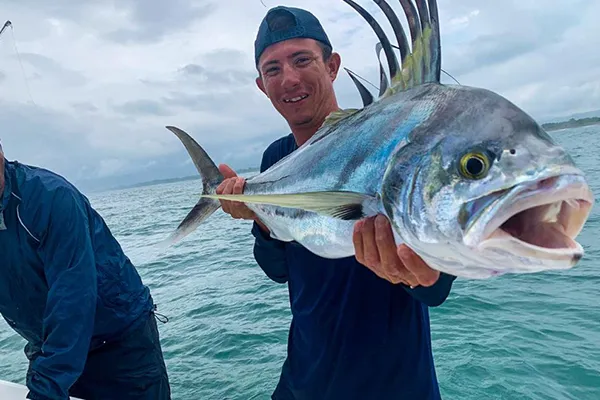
[333,64]
[261,85]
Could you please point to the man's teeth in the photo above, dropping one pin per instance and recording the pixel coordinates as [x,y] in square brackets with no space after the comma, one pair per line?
[295,99]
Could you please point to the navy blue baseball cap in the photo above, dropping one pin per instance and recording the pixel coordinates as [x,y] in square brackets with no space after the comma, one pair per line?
[304,25]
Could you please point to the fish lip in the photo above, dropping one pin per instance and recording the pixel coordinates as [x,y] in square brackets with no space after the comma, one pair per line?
[545,190]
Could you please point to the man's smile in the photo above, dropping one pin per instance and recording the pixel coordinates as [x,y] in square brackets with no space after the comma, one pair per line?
[295,99]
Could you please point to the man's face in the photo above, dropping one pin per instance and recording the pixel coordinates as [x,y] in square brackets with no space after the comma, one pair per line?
[298,81]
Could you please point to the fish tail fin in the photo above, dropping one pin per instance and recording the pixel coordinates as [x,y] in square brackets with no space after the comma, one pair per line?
[211,178]
[417,67]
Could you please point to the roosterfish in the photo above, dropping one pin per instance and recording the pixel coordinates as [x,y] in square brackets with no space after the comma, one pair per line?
[468,180]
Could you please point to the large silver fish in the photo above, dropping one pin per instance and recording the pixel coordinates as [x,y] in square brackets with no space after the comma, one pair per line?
[468,180]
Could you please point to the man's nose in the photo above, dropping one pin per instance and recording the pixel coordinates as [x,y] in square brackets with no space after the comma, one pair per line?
[291,77]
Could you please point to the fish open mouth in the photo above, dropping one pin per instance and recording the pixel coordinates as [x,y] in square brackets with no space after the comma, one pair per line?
[538,219]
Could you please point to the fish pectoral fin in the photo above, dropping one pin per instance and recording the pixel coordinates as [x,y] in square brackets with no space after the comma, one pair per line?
[336,204]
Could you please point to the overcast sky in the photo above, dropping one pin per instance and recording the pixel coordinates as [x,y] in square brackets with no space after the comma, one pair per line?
[103,78]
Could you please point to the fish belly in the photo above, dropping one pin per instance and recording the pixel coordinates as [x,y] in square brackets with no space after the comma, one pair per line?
[322,235]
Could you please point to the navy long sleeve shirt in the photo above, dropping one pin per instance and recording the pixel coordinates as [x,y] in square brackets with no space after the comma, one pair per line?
[353,335]
[65,284]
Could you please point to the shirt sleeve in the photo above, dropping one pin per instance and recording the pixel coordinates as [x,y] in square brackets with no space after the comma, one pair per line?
[69,266]
[436,294]
[269,253]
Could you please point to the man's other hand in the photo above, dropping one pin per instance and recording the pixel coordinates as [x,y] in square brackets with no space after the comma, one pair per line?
[376,249]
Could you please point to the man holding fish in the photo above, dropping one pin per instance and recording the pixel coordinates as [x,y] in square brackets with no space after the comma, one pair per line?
[360,327]
[465,178]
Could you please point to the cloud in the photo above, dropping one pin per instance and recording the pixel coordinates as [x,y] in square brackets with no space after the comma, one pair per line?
[47,68]
[153,19]
[84,106]
[538,57]
[142,107]
[97,81]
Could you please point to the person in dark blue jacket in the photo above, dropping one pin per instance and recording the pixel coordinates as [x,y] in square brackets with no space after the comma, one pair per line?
[360,325]
[69,290]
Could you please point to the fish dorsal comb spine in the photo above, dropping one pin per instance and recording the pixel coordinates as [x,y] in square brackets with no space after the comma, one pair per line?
[418,66]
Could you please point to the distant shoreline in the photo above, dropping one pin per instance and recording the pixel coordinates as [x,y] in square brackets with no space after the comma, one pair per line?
[572,123]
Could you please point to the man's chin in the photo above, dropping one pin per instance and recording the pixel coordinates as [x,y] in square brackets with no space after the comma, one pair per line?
[303,120]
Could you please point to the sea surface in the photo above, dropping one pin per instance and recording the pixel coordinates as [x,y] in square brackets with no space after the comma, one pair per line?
[515,337]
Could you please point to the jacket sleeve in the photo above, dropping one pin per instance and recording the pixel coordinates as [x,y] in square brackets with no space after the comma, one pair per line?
[269,253]
[436,294]
[69,267]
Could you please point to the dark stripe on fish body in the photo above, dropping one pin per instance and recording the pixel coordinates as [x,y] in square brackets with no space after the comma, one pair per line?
[361,156]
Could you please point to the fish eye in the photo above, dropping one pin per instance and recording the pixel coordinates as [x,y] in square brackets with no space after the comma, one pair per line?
[474,165]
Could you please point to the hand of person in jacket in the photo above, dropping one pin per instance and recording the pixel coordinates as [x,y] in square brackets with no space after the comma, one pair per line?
[376,249]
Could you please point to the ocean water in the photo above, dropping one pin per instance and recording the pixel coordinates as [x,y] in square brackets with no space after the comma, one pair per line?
[515,337]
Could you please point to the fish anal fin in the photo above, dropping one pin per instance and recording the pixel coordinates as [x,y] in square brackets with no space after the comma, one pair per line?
[348,212]
[343,205]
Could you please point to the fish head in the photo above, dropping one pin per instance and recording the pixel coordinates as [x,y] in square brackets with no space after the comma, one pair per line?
[489,193]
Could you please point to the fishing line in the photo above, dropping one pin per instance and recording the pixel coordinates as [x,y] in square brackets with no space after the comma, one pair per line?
[440,68]
[364,79]
[450,76]
[9,24]
[12,33]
